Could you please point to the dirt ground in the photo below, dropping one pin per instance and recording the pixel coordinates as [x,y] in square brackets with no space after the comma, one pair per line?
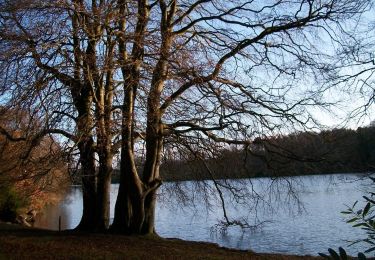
[26,243]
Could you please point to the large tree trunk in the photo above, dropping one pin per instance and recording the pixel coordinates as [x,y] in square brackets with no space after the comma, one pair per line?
[82,97]
[103,193]
[104,143]
[87,159]
[135,205]
[129,209]
[151,177]
[148,226]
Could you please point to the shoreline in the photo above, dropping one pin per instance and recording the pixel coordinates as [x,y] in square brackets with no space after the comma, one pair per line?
[364,174]
[17,242]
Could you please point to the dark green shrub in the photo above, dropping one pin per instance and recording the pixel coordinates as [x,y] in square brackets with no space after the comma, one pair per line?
[364,218]
[10,203]
[341,255]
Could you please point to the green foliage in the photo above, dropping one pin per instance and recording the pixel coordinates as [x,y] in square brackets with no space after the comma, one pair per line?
[10,203]
[364,218]
[341,255]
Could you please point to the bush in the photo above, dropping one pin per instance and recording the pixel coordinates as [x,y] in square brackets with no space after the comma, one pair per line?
[10,203]
[364,218]
[341,255]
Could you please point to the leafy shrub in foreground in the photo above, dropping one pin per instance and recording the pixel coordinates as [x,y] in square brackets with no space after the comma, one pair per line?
[364,218]
[10,203]
[341,255]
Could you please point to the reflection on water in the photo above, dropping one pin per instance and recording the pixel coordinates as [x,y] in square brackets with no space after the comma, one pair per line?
[290,228]
[70,211]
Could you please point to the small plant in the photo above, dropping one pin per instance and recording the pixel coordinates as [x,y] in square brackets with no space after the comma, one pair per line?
[364,218]
[341,255]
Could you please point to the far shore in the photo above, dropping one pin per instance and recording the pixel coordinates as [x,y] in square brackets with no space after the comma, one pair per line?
[166,179]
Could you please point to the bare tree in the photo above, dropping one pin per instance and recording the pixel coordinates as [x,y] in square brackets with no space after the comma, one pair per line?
[58,62]
[164,77]
[355,68]
[33,169]
[217,73]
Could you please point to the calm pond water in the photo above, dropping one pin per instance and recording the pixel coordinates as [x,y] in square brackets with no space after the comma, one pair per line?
[301,214]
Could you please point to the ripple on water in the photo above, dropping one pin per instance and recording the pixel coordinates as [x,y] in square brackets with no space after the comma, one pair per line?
[319,226]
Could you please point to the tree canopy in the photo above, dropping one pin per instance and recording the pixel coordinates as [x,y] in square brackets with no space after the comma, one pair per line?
[32,170]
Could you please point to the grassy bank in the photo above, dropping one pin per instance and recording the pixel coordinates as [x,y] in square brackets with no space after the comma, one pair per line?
[26,243]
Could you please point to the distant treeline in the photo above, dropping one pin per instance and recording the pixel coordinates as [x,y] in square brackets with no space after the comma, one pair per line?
[303,153]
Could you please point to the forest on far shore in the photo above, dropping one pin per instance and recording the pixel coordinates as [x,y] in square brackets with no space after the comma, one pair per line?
[302,153]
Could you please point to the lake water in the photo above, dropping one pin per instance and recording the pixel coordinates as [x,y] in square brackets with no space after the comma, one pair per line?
[296,215]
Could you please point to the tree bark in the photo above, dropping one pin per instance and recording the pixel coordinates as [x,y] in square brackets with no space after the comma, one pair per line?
[87,158]
[104,101]
[103,192]
[154,130]
[82,98]
[151,177]
[130,208]
[129,211]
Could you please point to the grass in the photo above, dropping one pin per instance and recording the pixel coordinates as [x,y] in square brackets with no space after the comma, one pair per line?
[17,242]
